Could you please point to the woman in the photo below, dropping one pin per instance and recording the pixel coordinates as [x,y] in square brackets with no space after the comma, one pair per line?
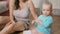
[19,9]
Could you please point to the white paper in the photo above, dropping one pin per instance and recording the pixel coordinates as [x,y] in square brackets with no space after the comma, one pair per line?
[27,32]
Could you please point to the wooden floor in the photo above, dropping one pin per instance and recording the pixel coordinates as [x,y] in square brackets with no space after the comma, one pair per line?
[56,25]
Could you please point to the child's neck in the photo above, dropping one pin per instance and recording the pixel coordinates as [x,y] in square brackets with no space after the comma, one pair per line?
[45,15]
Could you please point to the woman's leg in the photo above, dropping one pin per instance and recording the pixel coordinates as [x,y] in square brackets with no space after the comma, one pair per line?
[8,25]
[19,26]
[7,29]
[22,25]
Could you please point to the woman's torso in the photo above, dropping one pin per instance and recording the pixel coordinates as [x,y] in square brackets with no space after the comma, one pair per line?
[22,14]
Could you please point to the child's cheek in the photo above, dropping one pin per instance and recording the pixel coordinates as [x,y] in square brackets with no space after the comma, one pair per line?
[48,12]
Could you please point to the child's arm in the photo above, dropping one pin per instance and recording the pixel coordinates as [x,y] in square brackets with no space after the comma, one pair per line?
[39,21]
[45,23]
[34,22]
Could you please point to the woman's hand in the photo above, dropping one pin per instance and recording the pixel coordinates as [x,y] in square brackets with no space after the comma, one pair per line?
[9,23]
[13,21]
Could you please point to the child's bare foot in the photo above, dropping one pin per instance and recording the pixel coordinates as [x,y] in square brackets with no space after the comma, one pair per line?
[34,31]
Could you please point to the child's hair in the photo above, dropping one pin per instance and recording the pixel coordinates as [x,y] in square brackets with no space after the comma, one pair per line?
[48,3]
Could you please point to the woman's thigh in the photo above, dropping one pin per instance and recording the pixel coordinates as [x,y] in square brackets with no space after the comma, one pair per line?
[4,19]
[19,26]
[22,25]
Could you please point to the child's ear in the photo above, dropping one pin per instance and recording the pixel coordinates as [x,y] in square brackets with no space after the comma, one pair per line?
[51,12]
[41,11]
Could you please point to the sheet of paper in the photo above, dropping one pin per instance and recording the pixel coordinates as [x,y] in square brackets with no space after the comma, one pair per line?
[27,32]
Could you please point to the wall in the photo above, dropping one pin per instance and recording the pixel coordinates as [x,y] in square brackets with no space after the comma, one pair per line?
[3,6]
[56,5]
[36,3]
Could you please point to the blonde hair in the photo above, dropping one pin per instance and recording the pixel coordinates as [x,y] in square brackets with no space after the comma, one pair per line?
[48,3]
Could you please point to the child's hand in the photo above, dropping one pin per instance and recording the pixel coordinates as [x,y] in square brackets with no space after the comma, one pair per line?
[34,23]
[38,21]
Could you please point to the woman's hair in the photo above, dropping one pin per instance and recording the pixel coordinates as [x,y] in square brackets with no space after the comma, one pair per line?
[17,3]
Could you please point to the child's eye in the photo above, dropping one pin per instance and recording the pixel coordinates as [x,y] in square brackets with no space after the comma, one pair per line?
[48,10]
[43,9]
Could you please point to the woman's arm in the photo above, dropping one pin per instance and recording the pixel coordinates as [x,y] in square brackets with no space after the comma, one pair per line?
[32,9]
[11,5]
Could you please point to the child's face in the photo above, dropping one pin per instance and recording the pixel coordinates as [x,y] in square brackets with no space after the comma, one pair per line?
[46,9]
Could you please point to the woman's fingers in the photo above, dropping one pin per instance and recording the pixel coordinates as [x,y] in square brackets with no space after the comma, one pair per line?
[8,24]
